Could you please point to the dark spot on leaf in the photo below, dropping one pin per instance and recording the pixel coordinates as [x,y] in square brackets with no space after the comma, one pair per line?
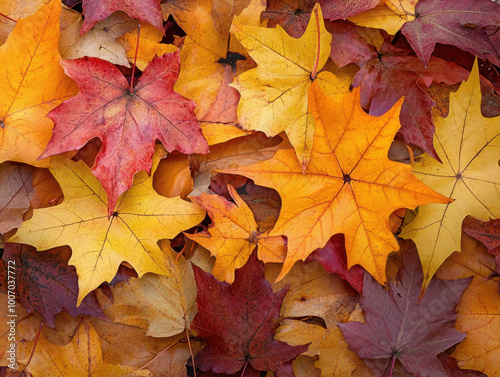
[115,214]
[231,59]
[346,178]
[399,294]
[298,12]
[1,124]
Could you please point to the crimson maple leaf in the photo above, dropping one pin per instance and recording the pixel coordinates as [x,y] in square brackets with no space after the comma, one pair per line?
[462,23]
[397,72]
[144,10]
[128,122]
[238,322]
[399,326]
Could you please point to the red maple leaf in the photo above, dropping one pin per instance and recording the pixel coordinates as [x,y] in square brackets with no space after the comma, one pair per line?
[144,10]
[463,23]
[127,122]
[399,326]
[397,72]
[238,321]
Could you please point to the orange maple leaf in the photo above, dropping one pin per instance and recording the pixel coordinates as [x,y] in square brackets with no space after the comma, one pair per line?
[350,186]
[234,235]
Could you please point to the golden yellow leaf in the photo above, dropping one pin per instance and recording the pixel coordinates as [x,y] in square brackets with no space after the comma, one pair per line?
[99,244]
[274,95]
[233,235]
[164,306]
[349,187]
[389,15]
[469,146]
[82,357]
[315,293]
[478,309]
[32,84]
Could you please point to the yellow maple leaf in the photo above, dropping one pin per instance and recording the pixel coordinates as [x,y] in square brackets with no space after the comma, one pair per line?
[313,292]
[349,187]
[274,95]
[33,83]
[82,357]
[389,15]
[165,306]
[99,244]
[469,146]
[233,235]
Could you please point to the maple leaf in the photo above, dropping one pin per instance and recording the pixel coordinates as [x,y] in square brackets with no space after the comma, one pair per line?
[238,322]
[399,326]
[128,123]
[468,144]
[34,84]
[99,244]
[389,15]
[395,73]
[45,282]
[209,59]
[479,308]
[315,293]
[82,357]
[459,22]
[274,95]
[97,10]
[488,233]
[164,306]
[350,186]
[233,235]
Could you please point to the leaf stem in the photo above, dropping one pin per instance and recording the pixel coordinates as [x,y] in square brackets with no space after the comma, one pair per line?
[316,63]
[7,17]
[135,59]
[159,355]
[392,365]
[191,352]
[244,369]
[34,346]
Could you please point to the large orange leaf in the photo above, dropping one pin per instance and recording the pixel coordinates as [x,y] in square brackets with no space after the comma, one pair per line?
[274,94]
[32,84]
[350,186]
[99,244]
[234,235]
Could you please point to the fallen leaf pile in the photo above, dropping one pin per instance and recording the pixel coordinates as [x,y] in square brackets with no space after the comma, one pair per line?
[248,188]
